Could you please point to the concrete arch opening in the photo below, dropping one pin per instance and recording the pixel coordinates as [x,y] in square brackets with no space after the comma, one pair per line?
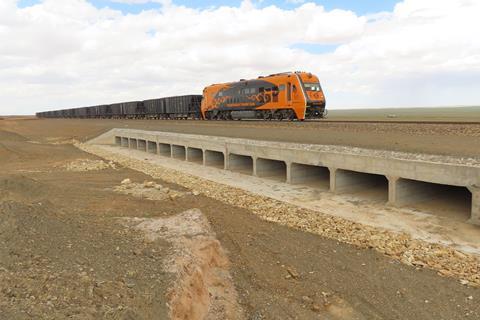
[240,163]
[152,147]
[310,175]
[214,159]
[125,142]
[118,141]
[178,152]
[142,145]
[367,186]
[271,169]
[164,149]
[195,155]
[440,199]
[133,143]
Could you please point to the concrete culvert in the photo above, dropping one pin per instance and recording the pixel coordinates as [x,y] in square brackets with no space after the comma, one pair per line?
[214,159]
[142,145]
[309,175]
[178,152]
[164,149]
[444,200]
[240,163]
[125,142]
[118,141]
[271,169]
[365,185]
[152,147]
[195,155]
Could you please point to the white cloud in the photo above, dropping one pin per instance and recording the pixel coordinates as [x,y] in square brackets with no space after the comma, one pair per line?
[70,53]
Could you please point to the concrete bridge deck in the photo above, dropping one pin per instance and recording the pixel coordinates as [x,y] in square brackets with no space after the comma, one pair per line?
[403,179]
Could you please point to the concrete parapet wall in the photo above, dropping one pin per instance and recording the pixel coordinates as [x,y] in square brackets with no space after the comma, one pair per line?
[347,170]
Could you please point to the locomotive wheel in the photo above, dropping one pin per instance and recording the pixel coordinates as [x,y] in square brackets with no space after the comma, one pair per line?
[291,115]
[278,115]
[267,115]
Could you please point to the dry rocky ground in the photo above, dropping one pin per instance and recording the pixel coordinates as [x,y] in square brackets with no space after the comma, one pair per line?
[77,243]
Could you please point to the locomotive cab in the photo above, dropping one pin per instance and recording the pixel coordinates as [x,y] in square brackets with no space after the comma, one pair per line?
[315,99]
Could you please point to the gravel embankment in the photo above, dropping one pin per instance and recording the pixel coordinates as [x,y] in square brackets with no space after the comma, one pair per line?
[445,260]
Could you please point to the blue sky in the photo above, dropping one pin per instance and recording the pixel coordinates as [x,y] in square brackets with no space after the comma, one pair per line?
[360,7]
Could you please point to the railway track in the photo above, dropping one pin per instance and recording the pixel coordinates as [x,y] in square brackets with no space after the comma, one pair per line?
[309,121]
[339,121]
[398,121]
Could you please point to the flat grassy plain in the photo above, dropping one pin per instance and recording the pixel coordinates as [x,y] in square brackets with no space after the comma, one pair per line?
[460,114]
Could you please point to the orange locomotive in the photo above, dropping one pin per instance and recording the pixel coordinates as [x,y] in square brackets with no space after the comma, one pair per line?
[290,95]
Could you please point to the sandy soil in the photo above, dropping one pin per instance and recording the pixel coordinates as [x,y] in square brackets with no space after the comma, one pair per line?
[460,140]
[64,252]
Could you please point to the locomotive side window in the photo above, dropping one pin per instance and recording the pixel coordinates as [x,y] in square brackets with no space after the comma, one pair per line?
[281,87]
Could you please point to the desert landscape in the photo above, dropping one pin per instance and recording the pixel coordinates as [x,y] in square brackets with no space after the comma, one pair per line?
[87,236]
[239,160]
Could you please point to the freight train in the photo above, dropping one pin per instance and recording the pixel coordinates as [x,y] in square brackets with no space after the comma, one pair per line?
[289,95]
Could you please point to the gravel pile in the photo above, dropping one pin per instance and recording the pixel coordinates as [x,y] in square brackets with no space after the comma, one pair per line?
[147,190]
[445,260]
[81,165]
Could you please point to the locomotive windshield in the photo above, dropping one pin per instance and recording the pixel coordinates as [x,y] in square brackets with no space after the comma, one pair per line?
[312,87]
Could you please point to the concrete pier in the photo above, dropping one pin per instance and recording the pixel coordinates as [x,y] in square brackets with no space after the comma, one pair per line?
[475,215]
[406,180]
[404,191]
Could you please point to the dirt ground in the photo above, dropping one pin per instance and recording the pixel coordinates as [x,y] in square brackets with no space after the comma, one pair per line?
[444,139]
[65,251]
